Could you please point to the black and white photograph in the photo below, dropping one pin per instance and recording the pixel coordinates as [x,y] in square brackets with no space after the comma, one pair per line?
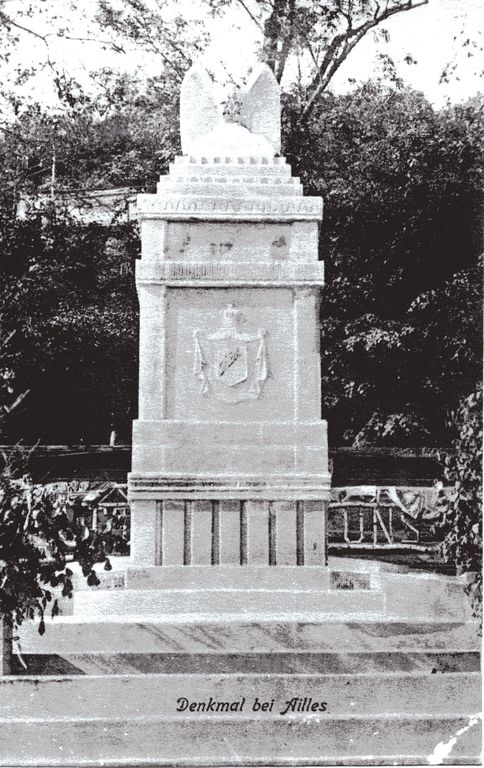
[241,383]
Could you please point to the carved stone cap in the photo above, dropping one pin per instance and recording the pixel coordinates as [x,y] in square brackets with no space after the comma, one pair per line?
[255,128]
[219,208]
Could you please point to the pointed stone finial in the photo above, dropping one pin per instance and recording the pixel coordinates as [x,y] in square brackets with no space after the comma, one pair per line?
[261,106]
[199,112]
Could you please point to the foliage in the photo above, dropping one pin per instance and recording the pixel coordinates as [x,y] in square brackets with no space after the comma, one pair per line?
[401,239]
[402,186]
[72,302]
[176,39]
[461,517]
[123,136]
[41,535]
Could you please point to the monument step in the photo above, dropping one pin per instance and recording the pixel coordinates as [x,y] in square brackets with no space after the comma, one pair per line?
[153,695]
[196,168]
[248,577]
[152,602]
[415,595]
[69,635]
[251,663]
[301,739]
[230,186]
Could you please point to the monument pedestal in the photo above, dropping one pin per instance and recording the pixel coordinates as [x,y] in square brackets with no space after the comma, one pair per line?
[230,459]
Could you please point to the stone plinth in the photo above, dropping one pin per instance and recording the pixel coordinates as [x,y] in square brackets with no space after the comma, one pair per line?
[230,460]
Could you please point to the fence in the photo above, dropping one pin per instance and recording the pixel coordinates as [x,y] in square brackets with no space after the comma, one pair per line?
[359,517]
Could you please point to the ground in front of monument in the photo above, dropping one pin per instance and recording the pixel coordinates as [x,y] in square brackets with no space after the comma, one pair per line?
[385,670]
[229,637]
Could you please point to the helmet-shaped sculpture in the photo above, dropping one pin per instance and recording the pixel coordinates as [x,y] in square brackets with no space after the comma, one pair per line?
[249,123]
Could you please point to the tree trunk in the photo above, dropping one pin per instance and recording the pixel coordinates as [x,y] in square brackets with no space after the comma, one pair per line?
[6,626]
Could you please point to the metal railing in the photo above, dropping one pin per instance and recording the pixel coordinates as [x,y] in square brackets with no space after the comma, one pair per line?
[359,517]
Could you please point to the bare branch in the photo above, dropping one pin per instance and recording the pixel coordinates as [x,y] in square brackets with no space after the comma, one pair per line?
[9,22]
[342,45]
[110,43]
[250,14]
[312,53]
[286,41]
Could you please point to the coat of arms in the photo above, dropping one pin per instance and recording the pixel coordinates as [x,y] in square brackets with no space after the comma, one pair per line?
[231,365]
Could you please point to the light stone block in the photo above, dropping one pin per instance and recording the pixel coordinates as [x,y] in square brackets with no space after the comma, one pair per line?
[311,459]
[227,241]
[229,532]
[154,239]
[202,533]
[314,533]
[190,310]
[257,532]
[152,345]
[145,532]
[267,603]
[307,362]
[285,513]
[125,696]
[173,533]
[304,241]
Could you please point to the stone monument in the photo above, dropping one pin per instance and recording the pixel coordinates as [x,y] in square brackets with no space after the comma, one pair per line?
[230,459]
[228,641]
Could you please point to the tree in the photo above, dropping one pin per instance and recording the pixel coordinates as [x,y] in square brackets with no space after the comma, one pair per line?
[461,513]
[401,237]
[45,24]
[75,314]
[158,28]
[40,533]
[320,34]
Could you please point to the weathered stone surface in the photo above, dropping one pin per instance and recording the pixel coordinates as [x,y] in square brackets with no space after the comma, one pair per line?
[230,401]
[199,112]
[220,602]
[135,635]
[229,276]
[255,131]
[124,696]
[261,109]
[224,741]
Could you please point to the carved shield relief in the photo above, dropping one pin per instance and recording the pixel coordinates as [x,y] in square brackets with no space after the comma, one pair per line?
[230,362]
[232,366]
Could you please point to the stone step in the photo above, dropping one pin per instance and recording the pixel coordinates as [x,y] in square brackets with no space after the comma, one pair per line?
[137,635]
[248,577]
[229,188]
[425,595]
[247,165]
[204,176]
[152,602]
[134,696]
[249,663]
[302,739]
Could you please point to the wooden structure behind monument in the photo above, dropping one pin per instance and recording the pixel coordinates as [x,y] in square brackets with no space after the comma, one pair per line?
[230,456]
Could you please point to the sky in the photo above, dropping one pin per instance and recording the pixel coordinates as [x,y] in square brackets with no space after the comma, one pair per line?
[432,35]
[426,33]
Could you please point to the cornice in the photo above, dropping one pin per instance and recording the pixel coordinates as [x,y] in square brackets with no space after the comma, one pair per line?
[220,208]
[230,273]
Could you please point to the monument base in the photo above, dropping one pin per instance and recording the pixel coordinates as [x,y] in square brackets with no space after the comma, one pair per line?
[149,685]
[218,591]
[229,520]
